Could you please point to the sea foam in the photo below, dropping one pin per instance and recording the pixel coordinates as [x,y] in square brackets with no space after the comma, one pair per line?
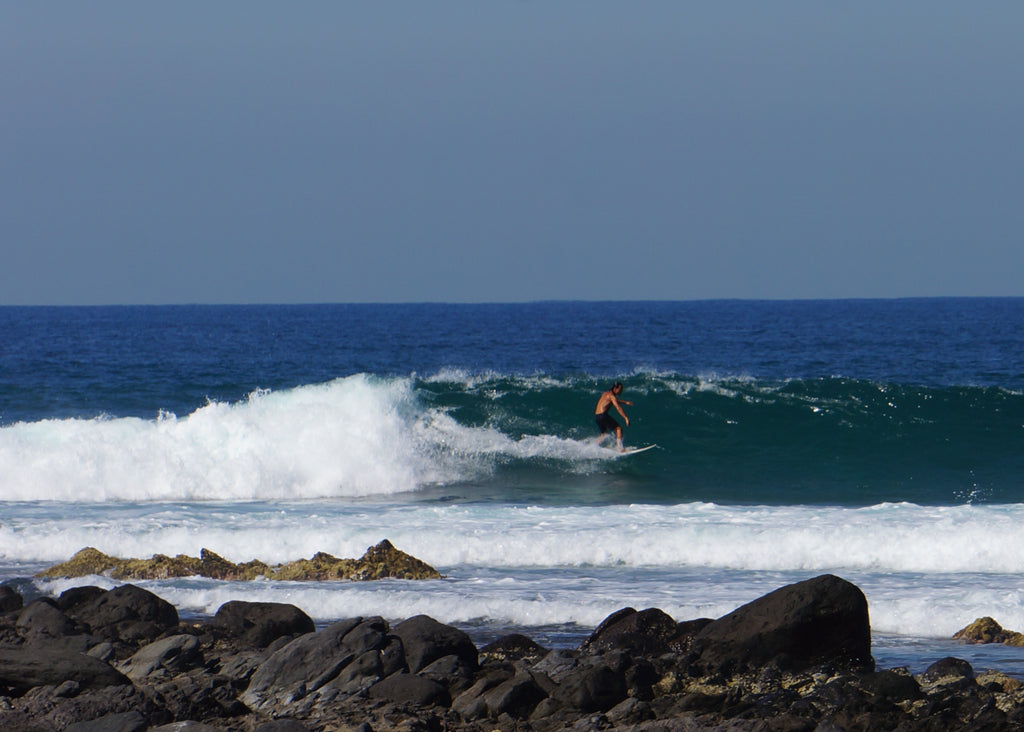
[356,436]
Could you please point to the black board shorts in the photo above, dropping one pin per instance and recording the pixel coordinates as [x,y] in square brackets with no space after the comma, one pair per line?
[605,422]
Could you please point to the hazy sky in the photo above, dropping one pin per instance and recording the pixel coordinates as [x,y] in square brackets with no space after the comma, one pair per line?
[500,150]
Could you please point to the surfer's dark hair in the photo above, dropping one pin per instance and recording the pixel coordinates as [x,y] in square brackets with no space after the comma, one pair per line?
[617,385]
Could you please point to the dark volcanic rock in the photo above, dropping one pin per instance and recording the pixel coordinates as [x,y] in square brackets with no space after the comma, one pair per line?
[166,657]
[42,620]
[25,667]
[513,647]
[425,640]
[344,658]
[516,697]
[258,624]
[407,688]
[127,612]
[10,600]
[949,668]
[818,621]
[792,661]
[592,687]
[645,632]
[122,722]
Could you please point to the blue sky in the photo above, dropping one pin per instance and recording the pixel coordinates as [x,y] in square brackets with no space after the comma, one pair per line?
[254,152]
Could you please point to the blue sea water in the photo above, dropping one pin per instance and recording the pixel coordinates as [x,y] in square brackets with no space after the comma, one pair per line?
[880,440]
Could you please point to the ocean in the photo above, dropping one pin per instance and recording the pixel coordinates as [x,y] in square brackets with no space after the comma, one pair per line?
[878,440]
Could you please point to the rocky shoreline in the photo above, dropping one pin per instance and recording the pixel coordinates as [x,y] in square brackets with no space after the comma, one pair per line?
[121,660]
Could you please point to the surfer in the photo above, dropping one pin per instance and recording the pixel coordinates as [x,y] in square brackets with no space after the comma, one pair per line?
[605,422]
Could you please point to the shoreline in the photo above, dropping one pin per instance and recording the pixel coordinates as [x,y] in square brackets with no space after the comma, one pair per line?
[794,659]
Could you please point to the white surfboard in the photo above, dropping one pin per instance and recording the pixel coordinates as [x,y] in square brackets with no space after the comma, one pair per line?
[631,450]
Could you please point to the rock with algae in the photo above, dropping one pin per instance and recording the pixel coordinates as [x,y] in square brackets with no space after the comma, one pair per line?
[379,562]
[987,630]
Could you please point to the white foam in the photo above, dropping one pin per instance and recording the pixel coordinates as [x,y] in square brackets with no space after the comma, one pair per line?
[888,537]
[357,436]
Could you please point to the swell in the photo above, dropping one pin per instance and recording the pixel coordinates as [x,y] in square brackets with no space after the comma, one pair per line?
[834,440]
[507,438]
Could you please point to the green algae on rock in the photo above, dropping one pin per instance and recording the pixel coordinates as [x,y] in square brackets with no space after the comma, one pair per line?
[987,630]
[379,562]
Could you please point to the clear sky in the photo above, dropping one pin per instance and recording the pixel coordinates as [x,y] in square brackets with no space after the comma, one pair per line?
[509,150]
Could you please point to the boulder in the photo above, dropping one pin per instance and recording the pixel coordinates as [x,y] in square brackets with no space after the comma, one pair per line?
[892,685]
[405,688]
[197,695]
[425,640]
[345,657]
[25,667]
[471,703]
[987,630]
[516,697]
[818,621]
[282,725]
[647,632]
[41,620]
[258,624]
[594,686]
[128,612]
[513,647]
[77,596]
[10,599]
[949,669]
[122,722]
[167,656]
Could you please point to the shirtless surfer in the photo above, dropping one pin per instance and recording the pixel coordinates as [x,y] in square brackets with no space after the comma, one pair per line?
[605,422]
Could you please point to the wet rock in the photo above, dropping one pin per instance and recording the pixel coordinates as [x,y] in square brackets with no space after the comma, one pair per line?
[818,621]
